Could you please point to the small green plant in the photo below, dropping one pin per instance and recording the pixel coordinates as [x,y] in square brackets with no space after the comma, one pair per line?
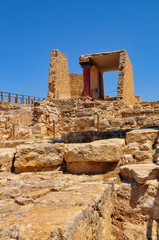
[41,137]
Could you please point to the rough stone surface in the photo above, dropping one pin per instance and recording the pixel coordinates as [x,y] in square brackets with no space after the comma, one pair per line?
[38,157]
[141,136]
[50,205]
[109,150]
[140,172]
[6,159]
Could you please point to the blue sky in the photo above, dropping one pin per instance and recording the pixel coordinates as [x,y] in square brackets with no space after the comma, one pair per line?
[30,29]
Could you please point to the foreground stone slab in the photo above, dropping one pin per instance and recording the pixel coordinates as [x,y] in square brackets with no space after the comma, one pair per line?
[142,135]
[95,157]
[52,205]
[37,157]
[6,159]
[140,172]
[98,151]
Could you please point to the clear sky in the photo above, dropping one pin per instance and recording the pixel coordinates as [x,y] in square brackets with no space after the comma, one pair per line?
[30,29]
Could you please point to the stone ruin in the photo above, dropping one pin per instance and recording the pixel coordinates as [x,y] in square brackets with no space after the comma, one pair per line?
[65,85]
[78,165]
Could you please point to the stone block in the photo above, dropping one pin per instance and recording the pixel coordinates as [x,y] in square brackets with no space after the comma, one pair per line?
[140,172]
[6,159]
[141,136]
[38,157]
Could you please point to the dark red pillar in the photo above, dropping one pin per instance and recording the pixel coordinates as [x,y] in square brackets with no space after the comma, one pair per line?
[86,79]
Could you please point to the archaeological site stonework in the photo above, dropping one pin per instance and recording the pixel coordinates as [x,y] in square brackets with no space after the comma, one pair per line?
[64,85]
[80,165]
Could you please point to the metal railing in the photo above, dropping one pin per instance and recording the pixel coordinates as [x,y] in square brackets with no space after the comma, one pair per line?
[18,98]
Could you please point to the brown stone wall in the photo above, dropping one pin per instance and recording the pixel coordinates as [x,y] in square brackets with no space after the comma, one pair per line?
[125,81]
[128,85]
[76,84]
[59,81]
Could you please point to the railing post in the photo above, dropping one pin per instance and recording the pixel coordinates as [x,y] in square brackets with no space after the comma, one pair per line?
[16,98]
[1,97]
[9,98]
[23,99]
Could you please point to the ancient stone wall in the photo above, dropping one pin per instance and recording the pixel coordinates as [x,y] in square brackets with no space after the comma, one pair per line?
[77,114]
[76,84]
[128,84]
[59,81]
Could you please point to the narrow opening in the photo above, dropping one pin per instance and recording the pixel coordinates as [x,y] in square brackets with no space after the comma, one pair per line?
[110,81]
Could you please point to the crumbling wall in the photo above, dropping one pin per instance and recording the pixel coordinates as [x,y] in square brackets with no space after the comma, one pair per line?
[76,84]
[125,81]
[128,89]
[59,81]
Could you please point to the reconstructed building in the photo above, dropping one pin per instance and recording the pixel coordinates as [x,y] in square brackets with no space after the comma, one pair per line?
[64,85]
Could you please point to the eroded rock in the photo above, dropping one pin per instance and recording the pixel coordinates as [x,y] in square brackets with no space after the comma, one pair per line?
[6,159]
[140,172]
[95,157]
[141,136]
[36,157]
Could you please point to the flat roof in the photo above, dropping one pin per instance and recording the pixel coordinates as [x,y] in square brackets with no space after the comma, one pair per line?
[104,61]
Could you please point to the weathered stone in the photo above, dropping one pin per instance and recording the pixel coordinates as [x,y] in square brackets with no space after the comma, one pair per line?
[127,159]
[90,167]
[143,155]
[80,210]
[36,157]
[23,200]
[140,172]
[146,146]
[109,150]
[115,123]
[133,146]
[6,159]
[141,136]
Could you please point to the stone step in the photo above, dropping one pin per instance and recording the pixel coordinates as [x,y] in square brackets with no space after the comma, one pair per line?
[140,173]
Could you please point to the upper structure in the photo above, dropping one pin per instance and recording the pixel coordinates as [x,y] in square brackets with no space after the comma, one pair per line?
[94,65]
[63,84]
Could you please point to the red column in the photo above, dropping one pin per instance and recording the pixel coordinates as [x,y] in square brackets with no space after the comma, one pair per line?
[86,79]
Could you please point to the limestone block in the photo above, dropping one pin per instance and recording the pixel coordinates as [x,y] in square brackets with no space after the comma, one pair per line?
[22,132]
[37,157]
[109,150]
[140,172]
[129,121]
[141,136]
[103,123]
[133,146]
[146,146]
[127,159]
[117,123]
[6,159]
[143,155]
[39,129]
